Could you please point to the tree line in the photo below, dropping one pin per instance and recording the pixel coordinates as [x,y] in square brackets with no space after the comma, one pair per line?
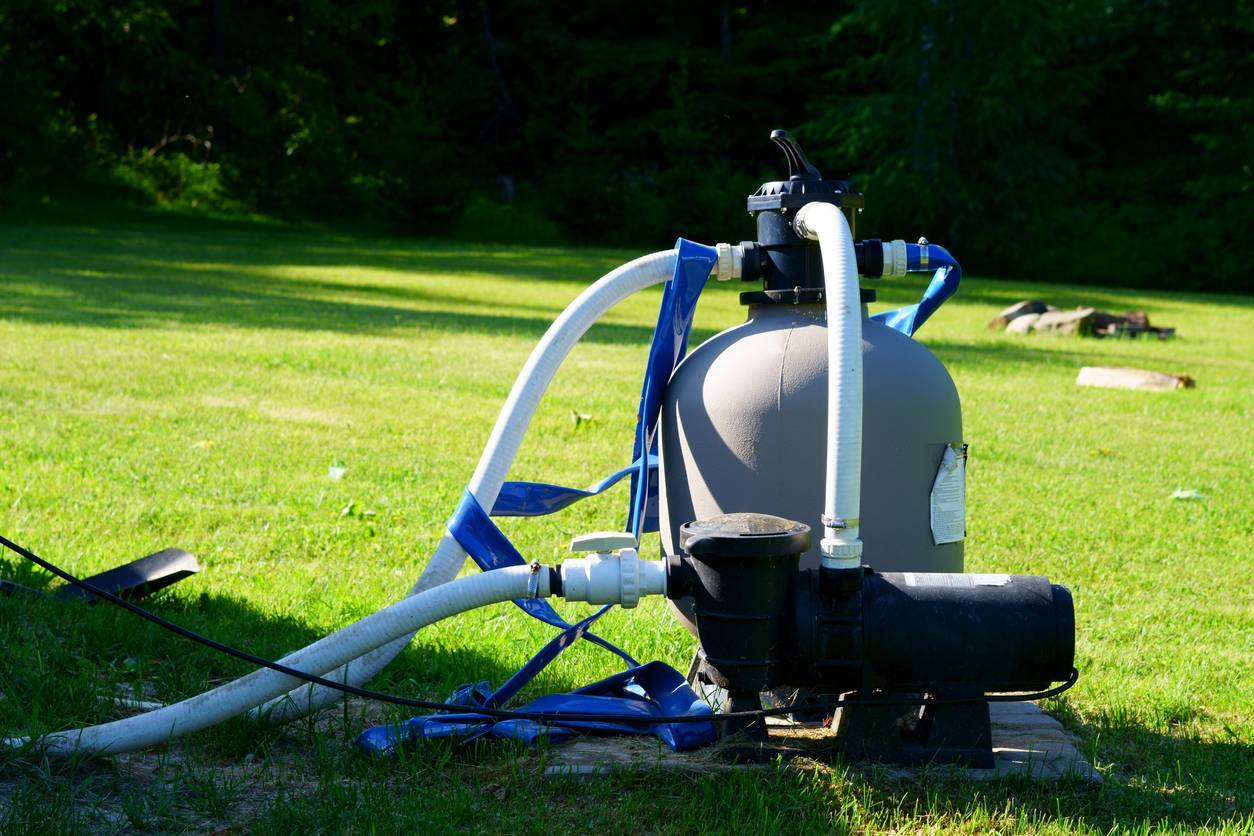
[1078,141]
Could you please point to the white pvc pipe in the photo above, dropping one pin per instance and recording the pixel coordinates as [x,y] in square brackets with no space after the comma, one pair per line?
[840,548]
[400,619]
[497,457]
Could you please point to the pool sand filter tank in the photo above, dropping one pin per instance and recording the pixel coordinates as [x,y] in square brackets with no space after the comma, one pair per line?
[806,471]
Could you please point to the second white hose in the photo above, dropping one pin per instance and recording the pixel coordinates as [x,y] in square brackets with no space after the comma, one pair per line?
[219,704]
[497,457]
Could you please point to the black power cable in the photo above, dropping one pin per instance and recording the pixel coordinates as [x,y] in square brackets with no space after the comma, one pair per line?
[552,718]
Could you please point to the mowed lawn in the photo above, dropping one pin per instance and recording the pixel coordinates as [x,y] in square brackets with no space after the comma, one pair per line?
[191,384]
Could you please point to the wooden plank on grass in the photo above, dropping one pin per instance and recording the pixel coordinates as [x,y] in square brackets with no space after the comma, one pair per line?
[1110,377]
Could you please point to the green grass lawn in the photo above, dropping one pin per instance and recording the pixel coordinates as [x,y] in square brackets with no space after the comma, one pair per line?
[172,383]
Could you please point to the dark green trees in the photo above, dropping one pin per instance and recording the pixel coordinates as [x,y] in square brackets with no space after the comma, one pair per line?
[1113,139]
[1072,140]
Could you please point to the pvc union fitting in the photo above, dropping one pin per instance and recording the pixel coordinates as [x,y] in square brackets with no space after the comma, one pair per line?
[730,259]
[840,554]
[621,578]
[894,258]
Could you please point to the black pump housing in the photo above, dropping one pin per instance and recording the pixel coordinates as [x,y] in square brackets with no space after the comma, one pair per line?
[741,570]
[763,625]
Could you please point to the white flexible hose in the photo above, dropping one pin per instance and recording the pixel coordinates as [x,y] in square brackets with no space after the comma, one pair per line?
[400,619]
[495,461]
[840,548]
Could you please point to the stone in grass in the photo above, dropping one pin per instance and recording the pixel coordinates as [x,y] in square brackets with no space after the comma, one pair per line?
[1022,324]
[1081,321]
[1016,311]
[1085,321]
[1109,377]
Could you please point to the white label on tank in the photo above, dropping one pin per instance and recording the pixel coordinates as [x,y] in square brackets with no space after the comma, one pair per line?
[949,496]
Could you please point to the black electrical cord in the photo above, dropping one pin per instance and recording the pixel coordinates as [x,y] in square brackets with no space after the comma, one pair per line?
[552,718]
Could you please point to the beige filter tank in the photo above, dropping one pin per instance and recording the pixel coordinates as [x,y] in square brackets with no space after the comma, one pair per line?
[743,429]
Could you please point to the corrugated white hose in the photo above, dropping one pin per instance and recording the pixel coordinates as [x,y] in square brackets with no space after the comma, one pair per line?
[497,457]
[400,619]
[840,547]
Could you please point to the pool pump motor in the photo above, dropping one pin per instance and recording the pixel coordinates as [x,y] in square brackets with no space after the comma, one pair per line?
[888,637]
[877,609]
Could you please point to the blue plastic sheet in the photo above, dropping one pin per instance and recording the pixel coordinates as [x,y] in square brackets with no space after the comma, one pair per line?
[652,690]
[488,546]
[535,499]
[693,264]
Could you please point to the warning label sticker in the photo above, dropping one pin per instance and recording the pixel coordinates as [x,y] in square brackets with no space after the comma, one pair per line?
[949,496]
[956,581]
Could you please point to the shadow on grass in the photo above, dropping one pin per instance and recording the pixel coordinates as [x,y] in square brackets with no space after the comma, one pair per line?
[153,279]
[72,654]
[75,657]
[1001,294]
[1152,793]
[998,353]
[1150,777]
[138,276]
[168,235]
[183,271]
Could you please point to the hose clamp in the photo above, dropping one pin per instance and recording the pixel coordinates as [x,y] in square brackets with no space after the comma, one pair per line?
[533,580]
[838,522]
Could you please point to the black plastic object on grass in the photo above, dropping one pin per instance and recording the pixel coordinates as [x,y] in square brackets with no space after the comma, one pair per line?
[131,581]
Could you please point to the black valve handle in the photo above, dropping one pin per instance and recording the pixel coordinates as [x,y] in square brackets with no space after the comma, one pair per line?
[799,168]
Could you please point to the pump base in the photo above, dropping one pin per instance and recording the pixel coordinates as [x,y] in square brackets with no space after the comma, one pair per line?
[918,735]
[754,729]
[1027,745]
[896,734]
